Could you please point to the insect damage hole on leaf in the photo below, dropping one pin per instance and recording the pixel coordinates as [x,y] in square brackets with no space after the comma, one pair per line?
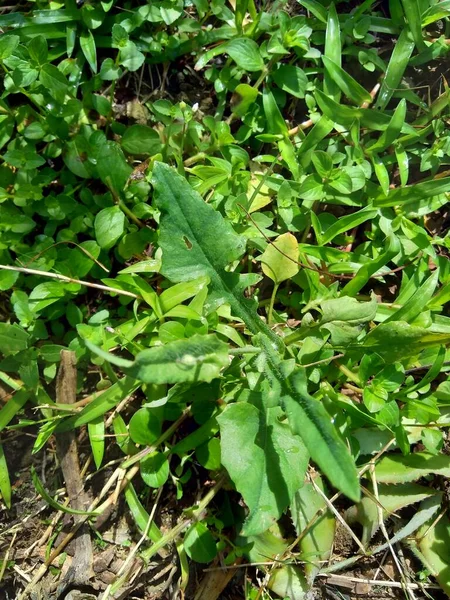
[187,242]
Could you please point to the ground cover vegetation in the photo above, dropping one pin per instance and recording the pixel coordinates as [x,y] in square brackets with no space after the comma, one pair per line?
[224,280]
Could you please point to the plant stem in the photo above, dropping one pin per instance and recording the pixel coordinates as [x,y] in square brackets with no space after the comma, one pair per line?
[197,514]
[272,302]
[65,279]
[124,208]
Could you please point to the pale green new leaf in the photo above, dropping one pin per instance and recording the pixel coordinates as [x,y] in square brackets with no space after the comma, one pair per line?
[428,508]
[317,543]
[391,498]
[279,260]
[397,468]
[433,543]
[266,462]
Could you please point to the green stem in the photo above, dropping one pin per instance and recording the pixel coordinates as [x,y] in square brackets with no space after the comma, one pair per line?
[348,373]
[272,302]
[244,350]
[124,208]
[196,515]
[162,438]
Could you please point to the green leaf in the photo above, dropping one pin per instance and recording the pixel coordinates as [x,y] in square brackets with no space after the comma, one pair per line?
[417,302]
[12,338]
[199,358]
[5,483]
[51,501]
[96,430]
[38,49]
[54,81]
[141,139]
[391,498]
[393,130]
[349,310]
[316,545]
[8,43]
[347,223]
[109,226]
[413,15]
[196,241]
[245,53]
[309,419]
[265,460]
[397,468]
[333,51]
[154,469]
[433,541]
[427,509]
[397,340]
[7,280]
[140,515]
[145,427]
[349,86]
[288,582]
[199,543]
[112,168]
[100,405]
[130,57]
[291,79]
[367,270]
[87,43]
[247,96]
[279,260]
[396,68]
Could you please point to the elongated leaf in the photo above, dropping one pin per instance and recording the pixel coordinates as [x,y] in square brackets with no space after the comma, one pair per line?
[349,86]
[5,483]
[96,429]
[367,270]
[309,419]
[196,241]
[391,498]
[414,18]
[418,301]
[333,51]
[101,404]
[12,407]
[51,501]
[316,545]
[347,223]
[140,515]
[397,339]
[396,68]
[427,510]
[414,193]
[198,358]
[87,43]
[400,469]
[433,541]
[393,130]
[266,462]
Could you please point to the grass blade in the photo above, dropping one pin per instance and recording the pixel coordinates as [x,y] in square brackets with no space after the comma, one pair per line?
[333,51]
[396,68]
[5,483]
